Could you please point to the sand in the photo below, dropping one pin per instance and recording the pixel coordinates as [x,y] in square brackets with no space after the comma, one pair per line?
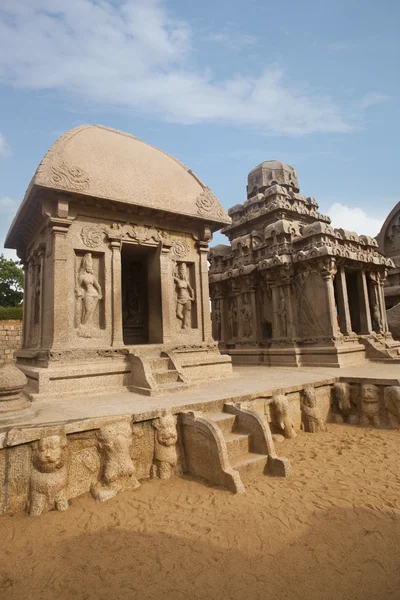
[331,531]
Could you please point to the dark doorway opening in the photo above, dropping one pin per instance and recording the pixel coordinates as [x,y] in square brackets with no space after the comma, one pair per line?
[354,303]
[141,295]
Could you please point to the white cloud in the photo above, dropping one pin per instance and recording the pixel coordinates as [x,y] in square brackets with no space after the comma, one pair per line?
[4,147]
[354,219]
[7,205]
[372,99]
[133,55]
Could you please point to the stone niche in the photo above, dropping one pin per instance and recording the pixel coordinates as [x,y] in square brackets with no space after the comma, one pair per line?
[289,289]
[113,235]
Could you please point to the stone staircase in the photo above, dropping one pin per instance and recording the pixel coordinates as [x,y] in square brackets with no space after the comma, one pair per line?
[154,372]
[239,445]
[377,349]
[231,447]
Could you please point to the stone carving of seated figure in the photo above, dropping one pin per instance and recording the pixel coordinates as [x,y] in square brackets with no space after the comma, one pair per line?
[117,472]
[49,477]
[165,455]
[370,405]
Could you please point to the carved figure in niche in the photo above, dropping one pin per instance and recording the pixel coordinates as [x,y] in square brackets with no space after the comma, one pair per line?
[217,316]
[88,294]
[280,404]
[391,397]
[36,305]
[184,295]
[343,407]
[49,477]
[282,313]
[376,318]
[165,455]
[117,472]
[247,318]
[133,315]
[370,405]
[312,418]
[232,318]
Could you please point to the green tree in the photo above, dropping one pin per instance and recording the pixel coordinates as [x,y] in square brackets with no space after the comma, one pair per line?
[11,282]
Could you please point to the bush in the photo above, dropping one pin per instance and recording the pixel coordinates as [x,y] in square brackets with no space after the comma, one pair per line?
[10,313]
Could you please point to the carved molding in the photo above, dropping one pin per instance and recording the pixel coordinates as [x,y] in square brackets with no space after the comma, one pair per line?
[208,205]
[93,235]
[180,248]
[68,178]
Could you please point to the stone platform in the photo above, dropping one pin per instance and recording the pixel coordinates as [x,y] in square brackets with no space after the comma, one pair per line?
[248,383]
[223,431]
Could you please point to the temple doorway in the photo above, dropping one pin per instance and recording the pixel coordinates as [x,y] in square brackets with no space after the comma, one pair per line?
[141,295]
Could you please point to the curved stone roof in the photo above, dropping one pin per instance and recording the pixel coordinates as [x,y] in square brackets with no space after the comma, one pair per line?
[271,172]
[389,231]
[105,163]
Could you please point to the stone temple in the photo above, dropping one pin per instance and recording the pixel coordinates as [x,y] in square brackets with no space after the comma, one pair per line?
[113,235]
[292,290]
[124,377]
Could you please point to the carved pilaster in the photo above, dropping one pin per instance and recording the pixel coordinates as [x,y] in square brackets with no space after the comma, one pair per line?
[117,331]
[58,265]
[202,249]
[166,290]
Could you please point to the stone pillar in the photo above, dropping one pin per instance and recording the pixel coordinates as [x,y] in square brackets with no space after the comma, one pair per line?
[381,278]
[116,294]
[167,281]
[60,281]
[276,329]
[25,318]
[365,313]
[202,249]
[256,334]
[343,301]
[328,271]
[224,318]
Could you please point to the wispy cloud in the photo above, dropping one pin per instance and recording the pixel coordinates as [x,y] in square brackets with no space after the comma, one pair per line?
[342,46]
[134,56]
[231,36]
[5,149]
[354,219]
[372,99]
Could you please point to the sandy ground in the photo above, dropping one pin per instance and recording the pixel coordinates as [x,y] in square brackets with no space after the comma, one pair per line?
[331,531]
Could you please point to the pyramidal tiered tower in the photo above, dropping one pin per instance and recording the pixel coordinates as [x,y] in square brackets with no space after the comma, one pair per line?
[292,290]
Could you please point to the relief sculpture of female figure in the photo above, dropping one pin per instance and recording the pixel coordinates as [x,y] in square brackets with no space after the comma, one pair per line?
[88,294]
[184,296]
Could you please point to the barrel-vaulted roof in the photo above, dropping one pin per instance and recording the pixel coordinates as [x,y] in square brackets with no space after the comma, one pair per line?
[105,163]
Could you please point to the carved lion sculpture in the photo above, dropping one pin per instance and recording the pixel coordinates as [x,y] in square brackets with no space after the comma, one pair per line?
[391,397]
[165,455]
[370,405]
[312,418]
[342,403]
[283,419]
[49,477]
[117,472]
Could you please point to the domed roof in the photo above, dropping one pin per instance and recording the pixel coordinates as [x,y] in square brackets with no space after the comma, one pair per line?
[105,163]
[271,172]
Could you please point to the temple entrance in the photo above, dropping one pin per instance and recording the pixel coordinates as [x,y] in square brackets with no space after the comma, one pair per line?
[354,301]
[141,295]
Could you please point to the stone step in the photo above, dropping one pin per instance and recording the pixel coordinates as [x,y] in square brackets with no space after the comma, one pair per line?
[237,444]
[159,363]
[249,464]
[163,377]
[224,421]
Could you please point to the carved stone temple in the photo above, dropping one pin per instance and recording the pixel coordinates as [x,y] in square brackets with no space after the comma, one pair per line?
[113,234]
[292,290]
[389,242]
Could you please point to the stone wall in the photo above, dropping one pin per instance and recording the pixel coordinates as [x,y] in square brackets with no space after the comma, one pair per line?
[10,339]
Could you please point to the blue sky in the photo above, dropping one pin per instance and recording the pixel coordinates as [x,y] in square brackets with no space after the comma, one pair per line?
[222,85]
